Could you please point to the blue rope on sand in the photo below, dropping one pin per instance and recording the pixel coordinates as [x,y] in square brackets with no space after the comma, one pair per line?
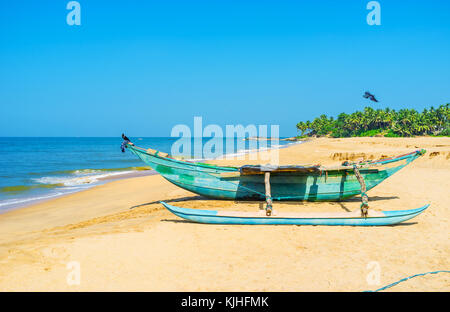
[405,279]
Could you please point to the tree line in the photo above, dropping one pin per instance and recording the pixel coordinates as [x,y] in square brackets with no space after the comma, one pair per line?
[380,122]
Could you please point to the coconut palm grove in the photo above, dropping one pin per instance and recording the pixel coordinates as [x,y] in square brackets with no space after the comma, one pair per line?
[380,122]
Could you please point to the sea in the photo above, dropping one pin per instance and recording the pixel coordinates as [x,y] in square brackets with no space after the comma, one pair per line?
[34,169]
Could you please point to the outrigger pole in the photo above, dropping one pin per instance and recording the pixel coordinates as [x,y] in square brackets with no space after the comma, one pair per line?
[364,197]
[268,196]
[359,177]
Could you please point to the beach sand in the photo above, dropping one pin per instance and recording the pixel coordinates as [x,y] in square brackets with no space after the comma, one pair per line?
[124,240]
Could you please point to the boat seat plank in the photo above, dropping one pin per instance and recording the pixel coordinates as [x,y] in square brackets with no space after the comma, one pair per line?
[254,169]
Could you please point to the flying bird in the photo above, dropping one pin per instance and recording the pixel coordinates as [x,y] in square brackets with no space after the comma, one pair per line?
[125,137]
[370,96]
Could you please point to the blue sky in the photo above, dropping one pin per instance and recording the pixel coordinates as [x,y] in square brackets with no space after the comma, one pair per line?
[144,66]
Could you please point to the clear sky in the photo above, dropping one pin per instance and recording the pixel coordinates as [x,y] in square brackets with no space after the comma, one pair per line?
[144,66]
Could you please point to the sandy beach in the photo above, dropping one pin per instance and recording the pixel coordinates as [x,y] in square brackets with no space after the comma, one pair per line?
[124,239]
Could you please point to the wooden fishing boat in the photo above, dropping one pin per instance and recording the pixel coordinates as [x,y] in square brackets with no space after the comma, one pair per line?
[373,218]
[311,183]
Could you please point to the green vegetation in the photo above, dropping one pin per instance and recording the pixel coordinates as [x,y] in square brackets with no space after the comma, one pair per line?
[380,122]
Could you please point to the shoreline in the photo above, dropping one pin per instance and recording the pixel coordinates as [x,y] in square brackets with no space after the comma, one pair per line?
[34,201]
[125,240]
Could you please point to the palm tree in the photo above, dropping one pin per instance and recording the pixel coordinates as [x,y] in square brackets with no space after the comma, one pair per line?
[405,122]
[302,127]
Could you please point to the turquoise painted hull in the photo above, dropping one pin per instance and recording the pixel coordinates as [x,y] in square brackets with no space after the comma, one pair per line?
[227,182]
[216,217]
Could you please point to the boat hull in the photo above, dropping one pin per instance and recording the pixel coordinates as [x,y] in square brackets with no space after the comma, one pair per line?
[227,182]
[218,217]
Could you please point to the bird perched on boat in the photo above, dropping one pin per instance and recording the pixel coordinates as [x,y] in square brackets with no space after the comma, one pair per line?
[126,140]
[370,96]
[125,137]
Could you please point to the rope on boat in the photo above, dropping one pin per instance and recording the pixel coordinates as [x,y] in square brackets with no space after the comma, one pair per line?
[405,279]
[268,193]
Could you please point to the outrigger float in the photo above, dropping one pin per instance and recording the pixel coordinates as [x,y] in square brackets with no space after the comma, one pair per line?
[283,218]
[276,183]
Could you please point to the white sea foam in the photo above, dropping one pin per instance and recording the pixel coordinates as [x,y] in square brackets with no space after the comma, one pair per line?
[13,202]
[79,179]
[19,202]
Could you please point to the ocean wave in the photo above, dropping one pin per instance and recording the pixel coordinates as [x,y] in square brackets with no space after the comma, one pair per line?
[80,178]
[89,171]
